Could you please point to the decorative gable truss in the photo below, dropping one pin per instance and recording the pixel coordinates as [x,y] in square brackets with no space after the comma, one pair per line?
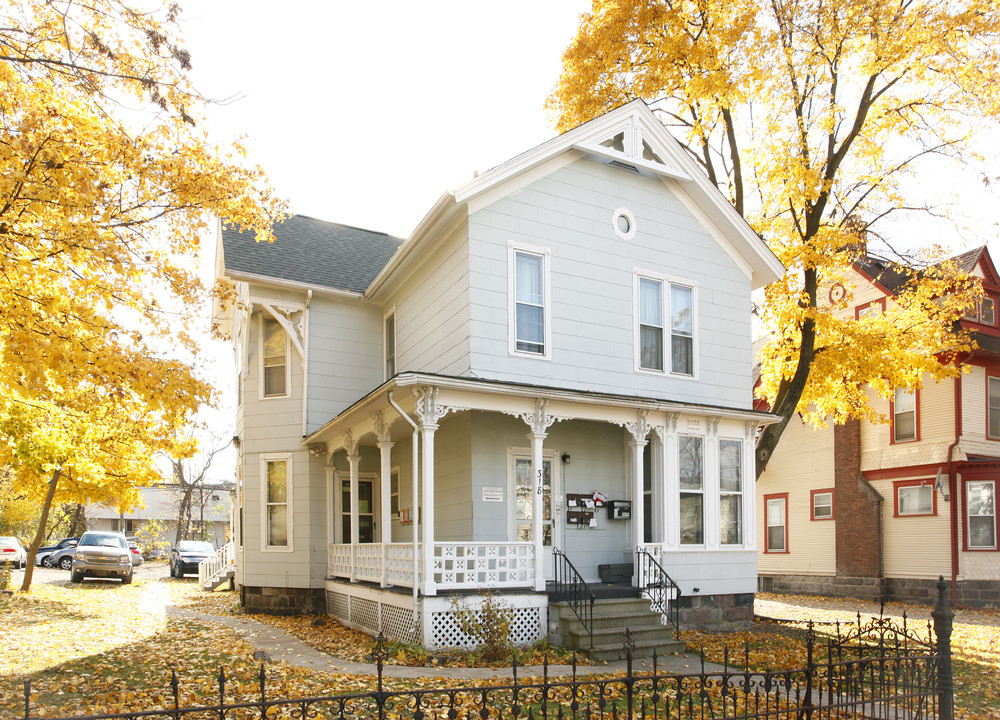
[634,146]
[291,316]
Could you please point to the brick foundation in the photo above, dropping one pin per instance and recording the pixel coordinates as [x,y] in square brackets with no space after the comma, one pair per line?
[716,612]
[282,601]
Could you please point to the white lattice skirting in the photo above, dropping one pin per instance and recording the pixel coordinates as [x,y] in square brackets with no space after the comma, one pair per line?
[372,611]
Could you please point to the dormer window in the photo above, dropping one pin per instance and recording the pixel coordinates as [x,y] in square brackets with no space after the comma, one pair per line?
[987,311]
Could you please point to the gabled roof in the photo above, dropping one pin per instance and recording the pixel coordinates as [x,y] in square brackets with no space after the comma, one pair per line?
[629,136]
[311,252]
[892,276]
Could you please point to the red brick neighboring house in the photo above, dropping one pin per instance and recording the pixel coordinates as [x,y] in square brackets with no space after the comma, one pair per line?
[880,511]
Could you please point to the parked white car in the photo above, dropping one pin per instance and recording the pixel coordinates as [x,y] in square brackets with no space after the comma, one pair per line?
[12,551]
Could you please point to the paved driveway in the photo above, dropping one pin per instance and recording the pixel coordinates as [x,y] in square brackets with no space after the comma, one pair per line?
[55,576]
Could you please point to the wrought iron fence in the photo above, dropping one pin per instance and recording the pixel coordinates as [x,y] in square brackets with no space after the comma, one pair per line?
[877,669]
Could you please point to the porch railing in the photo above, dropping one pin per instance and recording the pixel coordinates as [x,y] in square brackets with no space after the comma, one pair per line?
[473,566]
[456,565]
[663,593]
[216,566]
[571,588]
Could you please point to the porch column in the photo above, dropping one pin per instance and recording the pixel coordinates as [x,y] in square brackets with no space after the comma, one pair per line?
[539,421]
[671,483]
[428,413]
[385,448]
[354,460]
[638,430]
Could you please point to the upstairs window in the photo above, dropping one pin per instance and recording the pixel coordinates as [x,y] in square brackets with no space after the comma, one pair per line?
[870,309]
[987,311]
[650,324]
[529,302]
[656,300]
[681,330]
[904,416]
[275,357]
[390,346]
[993,407]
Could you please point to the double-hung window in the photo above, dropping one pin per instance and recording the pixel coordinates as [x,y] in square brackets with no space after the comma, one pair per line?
[822,504]
[275,358]
[981,501]
[692,500]
[987,311]
[277,498]
[776,523]
[730,492]
[390,345]
[659,343]
[993,407]
[529,297]
[904,415]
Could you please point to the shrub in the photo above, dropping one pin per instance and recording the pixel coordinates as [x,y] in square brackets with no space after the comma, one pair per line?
[488,625]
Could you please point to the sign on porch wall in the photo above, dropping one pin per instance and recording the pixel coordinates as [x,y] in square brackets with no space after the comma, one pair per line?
[492,494]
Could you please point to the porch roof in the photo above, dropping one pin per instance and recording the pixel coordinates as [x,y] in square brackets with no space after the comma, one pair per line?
[461,393]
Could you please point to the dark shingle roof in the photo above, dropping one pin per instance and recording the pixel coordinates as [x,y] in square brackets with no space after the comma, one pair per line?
[314,252]
[894,276]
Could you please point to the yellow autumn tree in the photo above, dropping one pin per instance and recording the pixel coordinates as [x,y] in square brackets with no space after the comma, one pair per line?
[108,182]
[815,117]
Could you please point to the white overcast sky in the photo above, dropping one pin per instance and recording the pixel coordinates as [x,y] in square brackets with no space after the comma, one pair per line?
[364,113]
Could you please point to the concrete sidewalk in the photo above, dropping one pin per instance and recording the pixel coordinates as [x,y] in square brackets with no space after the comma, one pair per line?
[289,649]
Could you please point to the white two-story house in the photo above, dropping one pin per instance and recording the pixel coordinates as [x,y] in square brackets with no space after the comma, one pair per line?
[554,367]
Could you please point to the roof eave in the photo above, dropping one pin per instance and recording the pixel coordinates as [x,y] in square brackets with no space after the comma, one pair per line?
[267,280]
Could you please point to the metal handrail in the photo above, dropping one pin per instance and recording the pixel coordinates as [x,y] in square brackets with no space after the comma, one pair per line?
[659,587]
[571,588]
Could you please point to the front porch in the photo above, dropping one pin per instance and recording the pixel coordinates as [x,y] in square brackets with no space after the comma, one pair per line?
[461,486]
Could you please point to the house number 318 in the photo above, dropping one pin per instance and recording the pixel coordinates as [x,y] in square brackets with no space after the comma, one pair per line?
[539,481]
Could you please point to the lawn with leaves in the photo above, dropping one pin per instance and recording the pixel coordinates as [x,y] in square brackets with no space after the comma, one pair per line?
[104,648]
[331,637]
[975,643]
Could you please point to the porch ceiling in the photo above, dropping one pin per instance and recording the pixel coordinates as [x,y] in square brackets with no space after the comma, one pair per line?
[455,394]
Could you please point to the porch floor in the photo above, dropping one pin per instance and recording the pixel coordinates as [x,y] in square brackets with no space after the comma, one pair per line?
[602,591]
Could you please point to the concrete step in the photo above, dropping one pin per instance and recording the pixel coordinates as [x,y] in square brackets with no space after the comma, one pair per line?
[640,633]
[607,652]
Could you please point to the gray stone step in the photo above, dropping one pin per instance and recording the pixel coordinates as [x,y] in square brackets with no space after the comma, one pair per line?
[640,633]
[608,652]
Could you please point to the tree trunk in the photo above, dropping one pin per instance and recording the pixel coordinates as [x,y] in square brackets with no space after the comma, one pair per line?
[40,533]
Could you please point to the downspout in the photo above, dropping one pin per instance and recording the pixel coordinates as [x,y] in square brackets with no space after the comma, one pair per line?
[952,486]
[416,513]
[305,363]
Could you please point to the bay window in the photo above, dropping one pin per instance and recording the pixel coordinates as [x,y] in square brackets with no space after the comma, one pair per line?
[692,496]
[730,492]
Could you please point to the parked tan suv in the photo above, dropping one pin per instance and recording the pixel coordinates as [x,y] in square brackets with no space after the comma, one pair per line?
[102,554]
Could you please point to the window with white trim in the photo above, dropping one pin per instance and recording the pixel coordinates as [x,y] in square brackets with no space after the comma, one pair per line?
[904,415]
[982,514]
[993,407]
[730,492]
[658,299]
[987,311]
[394,493]
[915,497]
[275,358]
[529,301]
[277,497]
[822,504]
[390,345]
[776,523]
[692,487]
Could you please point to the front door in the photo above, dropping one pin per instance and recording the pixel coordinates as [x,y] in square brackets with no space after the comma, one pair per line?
[366,511]
[524,491]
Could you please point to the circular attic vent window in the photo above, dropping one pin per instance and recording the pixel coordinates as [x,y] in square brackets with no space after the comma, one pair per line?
[623,223]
